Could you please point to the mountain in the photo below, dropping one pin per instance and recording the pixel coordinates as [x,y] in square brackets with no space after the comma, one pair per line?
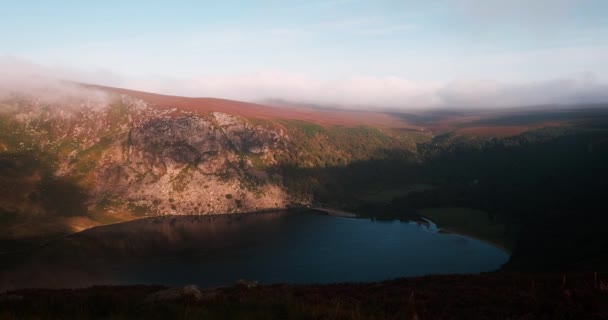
[75,156]
[92,155]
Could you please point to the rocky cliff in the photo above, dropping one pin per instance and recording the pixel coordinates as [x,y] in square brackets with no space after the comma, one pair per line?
[119,157]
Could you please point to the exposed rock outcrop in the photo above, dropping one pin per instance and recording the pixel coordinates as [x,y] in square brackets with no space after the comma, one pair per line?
[133,159]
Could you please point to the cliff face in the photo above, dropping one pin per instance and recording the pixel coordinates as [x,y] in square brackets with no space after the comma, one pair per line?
[191,164]
[124,158]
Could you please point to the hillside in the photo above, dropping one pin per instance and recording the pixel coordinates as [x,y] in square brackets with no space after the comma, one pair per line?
[263,112]
[83,160]
[485,296]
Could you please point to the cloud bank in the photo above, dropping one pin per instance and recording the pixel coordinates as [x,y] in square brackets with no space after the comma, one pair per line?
[22,78]
[361,92]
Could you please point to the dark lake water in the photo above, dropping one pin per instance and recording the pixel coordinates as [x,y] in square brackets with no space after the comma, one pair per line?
[286,247]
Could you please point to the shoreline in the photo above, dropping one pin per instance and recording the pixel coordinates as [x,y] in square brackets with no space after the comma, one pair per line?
[33,243]
[335,212]
[441,229]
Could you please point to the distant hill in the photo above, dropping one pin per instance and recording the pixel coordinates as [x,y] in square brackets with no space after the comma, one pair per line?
[327,117]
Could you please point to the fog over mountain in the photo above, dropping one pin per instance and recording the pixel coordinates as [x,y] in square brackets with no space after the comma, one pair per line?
[348,54]
[51,86]
[359,92]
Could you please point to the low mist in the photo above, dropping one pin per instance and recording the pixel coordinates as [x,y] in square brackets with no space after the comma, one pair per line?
[20,79]
[55,85]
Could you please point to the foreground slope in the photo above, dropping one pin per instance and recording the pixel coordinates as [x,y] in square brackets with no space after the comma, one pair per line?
[486,296]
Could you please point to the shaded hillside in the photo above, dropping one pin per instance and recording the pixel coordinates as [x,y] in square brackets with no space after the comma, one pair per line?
[542,191]
[547,186]
[486,296]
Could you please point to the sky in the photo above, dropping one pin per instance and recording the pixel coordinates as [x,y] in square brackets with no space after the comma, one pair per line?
[352,53]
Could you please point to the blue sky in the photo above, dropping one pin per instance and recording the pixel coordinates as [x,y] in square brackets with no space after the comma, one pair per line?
[396,53]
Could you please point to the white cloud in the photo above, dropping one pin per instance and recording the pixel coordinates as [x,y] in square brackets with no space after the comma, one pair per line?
[46,85]
[488,93]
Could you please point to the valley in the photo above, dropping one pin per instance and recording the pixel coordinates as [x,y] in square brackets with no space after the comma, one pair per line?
[112,155]
[323,159]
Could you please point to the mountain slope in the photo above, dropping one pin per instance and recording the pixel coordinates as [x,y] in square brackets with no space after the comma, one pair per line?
[263,112]
[76,158]
[109,155]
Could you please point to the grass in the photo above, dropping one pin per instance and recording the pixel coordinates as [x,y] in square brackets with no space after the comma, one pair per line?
[139,210]
[87,160]
[308,128]
[484,296]
[182,179]
[257,161]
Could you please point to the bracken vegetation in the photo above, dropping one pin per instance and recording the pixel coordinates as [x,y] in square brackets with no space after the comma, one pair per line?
[486,296]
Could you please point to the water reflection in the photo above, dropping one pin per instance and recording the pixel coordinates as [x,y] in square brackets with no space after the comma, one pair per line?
[268,247]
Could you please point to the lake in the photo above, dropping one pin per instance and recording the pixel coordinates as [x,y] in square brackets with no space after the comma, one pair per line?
[273,247]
